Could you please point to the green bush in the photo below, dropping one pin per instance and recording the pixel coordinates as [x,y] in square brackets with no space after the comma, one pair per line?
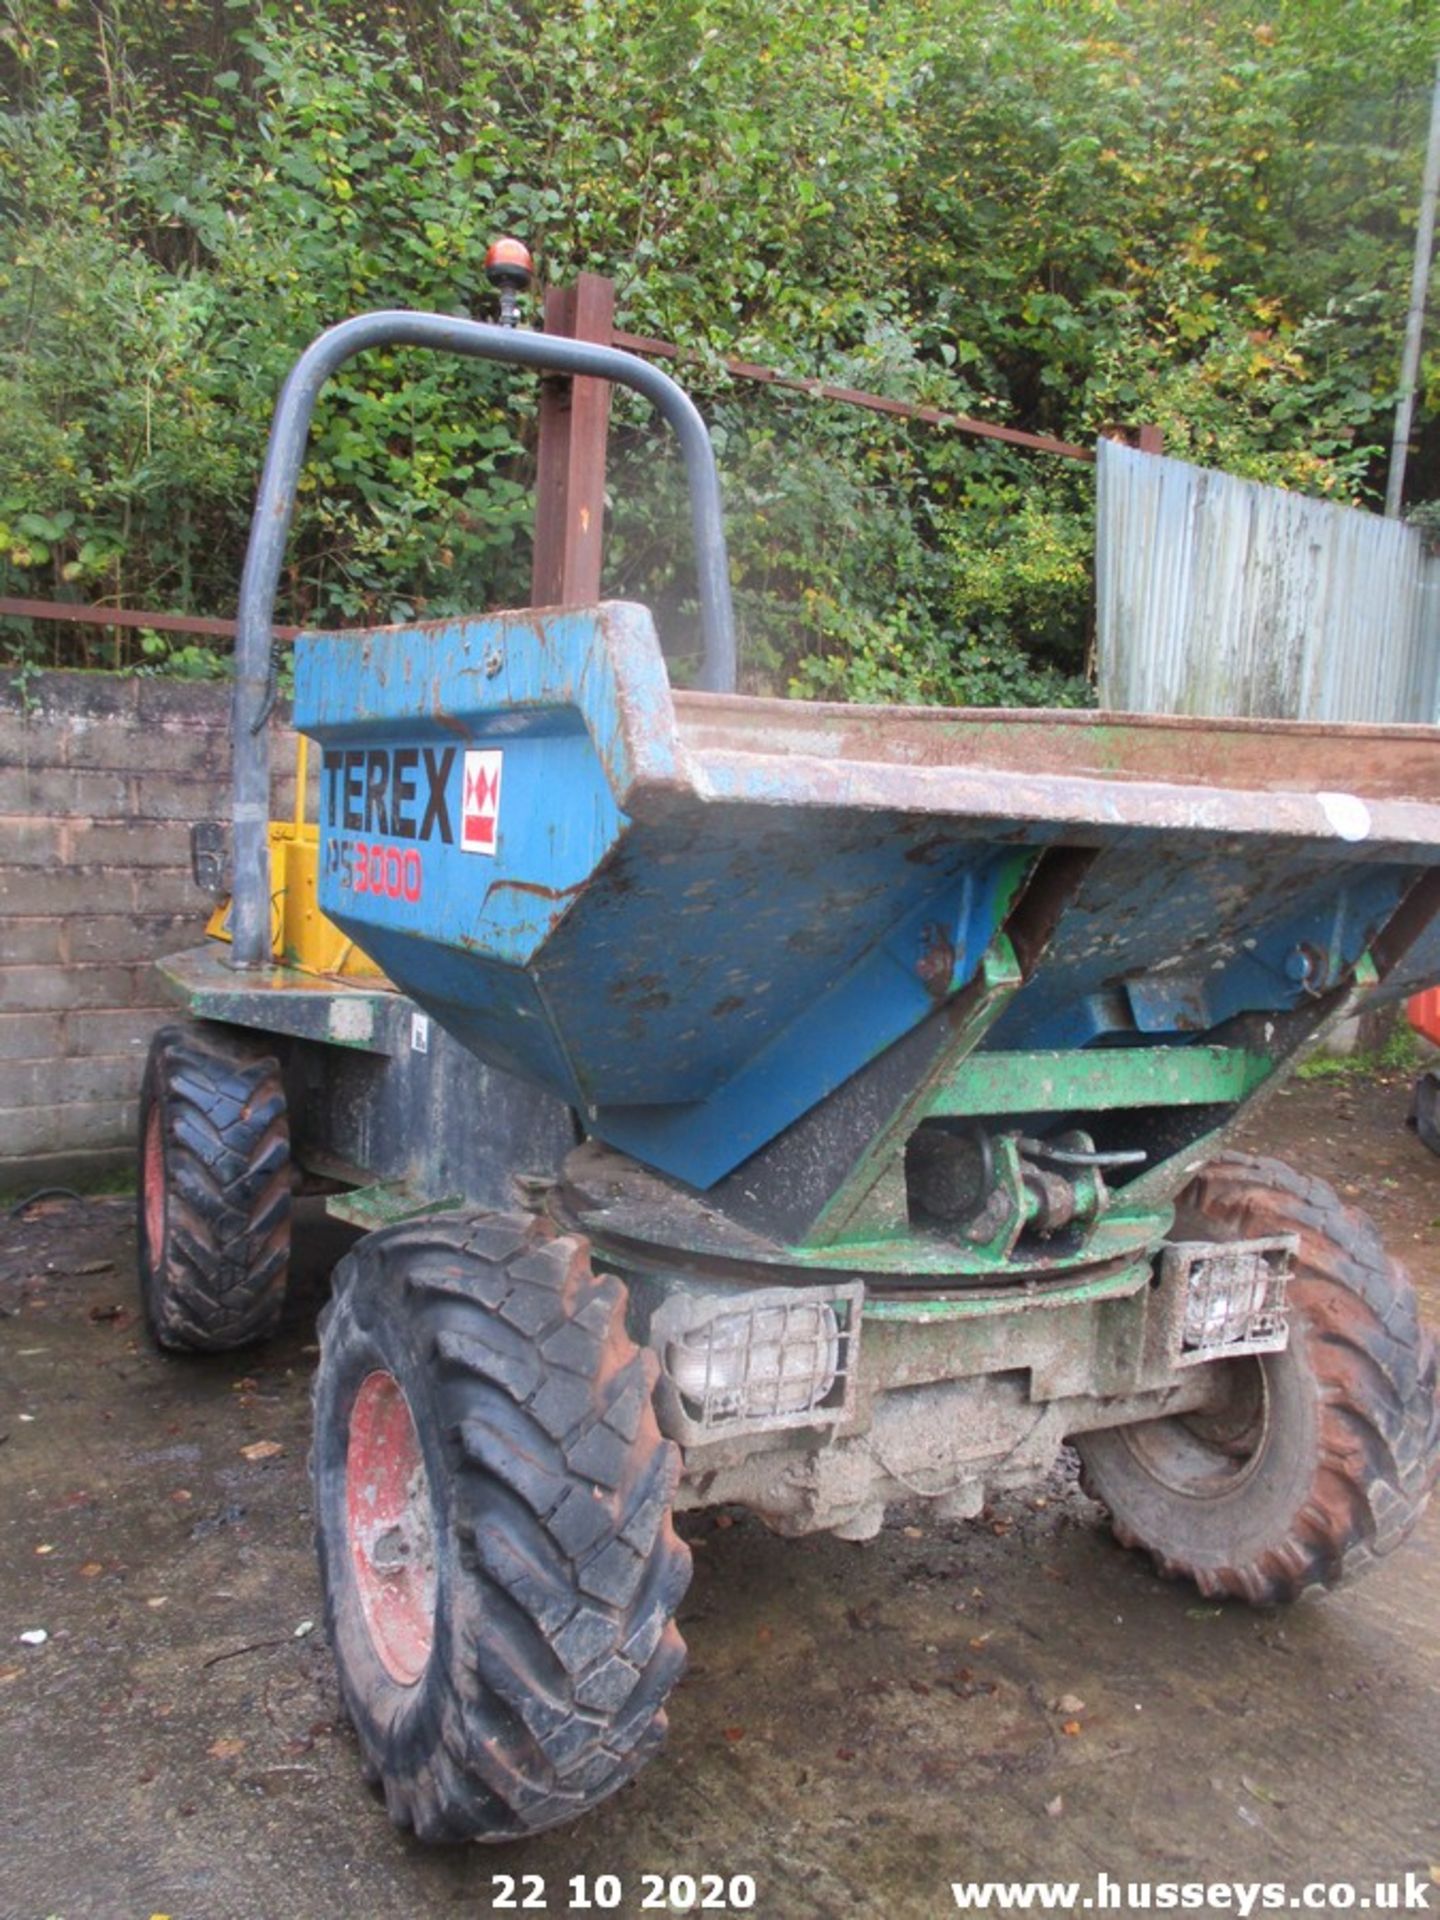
[1065,218]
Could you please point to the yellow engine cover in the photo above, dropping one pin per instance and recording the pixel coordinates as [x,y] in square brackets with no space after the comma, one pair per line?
[300,934]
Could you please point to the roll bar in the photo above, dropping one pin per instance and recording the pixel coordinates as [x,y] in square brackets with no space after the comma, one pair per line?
[275,507]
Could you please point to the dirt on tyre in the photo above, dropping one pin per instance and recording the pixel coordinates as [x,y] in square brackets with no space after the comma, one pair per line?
[214,1193]
[1314,1462]
[493,1520]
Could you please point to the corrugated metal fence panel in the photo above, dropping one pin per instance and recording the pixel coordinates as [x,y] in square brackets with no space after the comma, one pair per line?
[1220,596]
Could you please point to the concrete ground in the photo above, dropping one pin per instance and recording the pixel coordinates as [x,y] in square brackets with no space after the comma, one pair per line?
[860,1725]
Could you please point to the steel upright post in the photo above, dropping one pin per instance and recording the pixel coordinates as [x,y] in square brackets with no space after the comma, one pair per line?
[1415,318]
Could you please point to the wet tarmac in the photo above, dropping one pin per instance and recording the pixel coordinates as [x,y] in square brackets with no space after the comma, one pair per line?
[1010,1699]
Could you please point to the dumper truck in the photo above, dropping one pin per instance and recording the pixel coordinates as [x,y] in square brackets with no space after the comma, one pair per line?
[763,1102]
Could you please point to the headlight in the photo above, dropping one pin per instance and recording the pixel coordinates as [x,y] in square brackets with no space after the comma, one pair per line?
[1232,1295]
[767,1361]
[774,1357]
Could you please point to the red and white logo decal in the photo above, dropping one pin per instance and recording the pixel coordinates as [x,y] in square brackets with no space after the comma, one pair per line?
[480,809]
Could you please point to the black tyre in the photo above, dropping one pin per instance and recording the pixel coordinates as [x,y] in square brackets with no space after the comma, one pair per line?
[1314,1462]
[214,1202]
[493,1521]
[1425,1108]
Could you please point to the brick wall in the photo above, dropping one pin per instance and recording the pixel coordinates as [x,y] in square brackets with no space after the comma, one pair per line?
[100,779]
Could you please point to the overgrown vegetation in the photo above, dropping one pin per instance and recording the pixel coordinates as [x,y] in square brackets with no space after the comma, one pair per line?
[1112,211]
[1400,1053]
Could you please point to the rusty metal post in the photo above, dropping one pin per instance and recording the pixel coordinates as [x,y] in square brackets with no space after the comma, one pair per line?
[570,480]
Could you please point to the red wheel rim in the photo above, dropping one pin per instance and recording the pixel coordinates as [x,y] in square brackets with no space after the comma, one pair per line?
[153,1176]
[388,1519]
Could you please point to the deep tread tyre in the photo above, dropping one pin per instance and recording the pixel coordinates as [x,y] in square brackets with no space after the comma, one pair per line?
[541,1507]
[214,1201]
[1345,1443]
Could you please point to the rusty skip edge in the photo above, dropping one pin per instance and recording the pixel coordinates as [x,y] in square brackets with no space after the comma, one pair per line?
[1363,786]
[1375,785]
[1034,775]
[1023,804]
[1376,788]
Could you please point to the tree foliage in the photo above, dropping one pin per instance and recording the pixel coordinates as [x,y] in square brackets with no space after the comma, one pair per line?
[1066,218]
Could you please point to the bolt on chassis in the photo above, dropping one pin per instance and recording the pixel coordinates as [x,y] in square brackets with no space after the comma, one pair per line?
[756,1101]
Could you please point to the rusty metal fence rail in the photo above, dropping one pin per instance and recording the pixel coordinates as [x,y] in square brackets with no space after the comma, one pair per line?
[74,613]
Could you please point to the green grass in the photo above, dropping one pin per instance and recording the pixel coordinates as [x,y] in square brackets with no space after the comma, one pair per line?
[1400,1053]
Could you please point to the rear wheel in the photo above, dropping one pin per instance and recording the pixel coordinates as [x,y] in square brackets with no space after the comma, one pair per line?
[493,1521]
[214,1201]
[1307,1465]
[1425,1108]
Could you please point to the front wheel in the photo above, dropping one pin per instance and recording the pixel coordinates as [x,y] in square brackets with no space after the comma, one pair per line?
[1312,1463]
[493,1504]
